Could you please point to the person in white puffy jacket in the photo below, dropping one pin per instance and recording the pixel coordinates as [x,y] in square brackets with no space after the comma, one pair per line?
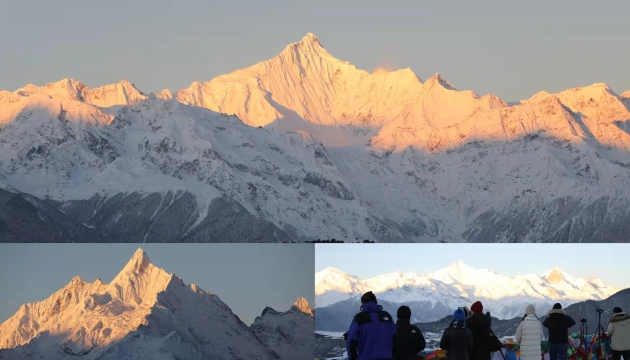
[529,335]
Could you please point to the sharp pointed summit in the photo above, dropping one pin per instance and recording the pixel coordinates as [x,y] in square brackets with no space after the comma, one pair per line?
[329,129]
[138,262]
[439,79]
[142,316]
[310,38]
[301,304]
[555,276]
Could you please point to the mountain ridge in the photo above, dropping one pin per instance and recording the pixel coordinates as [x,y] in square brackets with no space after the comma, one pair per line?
[449,165]
[97,320]
[433,295]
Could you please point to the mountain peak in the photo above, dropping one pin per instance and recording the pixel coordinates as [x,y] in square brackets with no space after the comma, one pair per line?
[460,265]
[302,305]
[310,40]
[138,262]
[76,280]
[310,37]
[309,45]
[331,269]
[439,79]
[269,310]
[555,275]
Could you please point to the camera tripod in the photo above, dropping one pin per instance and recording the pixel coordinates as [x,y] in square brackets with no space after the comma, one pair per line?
[601,336]
[601,333]
[583,333]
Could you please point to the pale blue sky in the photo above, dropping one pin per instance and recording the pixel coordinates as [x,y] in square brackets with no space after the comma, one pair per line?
[512,49]
[608,262]
[247,277]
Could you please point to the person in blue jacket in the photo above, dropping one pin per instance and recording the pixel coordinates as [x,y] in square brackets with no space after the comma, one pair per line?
[371,334]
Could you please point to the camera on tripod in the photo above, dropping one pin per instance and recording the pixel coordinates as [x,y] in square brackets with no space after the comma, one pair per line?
[599,311]
[583,321]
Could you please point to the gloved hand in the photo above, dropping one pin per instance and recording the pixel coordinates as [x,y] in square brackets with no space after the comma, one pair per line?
[345,335]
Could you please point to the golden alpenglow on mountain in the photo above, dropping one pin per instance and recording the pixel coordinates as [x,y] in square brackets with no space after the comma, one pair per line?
[546,308]
[306,147]
[146,312]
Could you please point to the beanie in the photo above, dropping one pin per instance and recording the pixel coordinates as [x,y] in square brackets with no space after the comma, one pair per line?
[404,312]
[368,297]
[459,315]
[530,310]
[557,306]
[477,307]
[617,310]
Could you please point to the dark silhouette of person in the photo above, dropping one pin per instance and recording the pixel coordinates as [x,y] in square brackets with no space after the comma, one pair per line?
[409,340]
[558,324]
[479,324]
[457,340]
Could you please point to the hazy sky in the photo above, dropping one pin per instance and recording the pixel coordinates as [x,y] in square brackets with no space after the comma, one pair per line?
[608,262]
[247,277]
[512,49]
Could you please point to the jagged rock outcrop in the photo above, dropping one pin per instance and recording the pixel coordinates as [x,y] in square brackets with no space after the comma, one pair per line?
[144,312]
[289,333]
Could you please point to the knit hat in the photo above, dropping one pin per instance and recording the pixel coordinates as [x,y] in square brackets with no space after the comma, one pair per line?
[404,312]
[530,310]
[368,297]
[459,314]
[617,310]
[557,306]
[477,307]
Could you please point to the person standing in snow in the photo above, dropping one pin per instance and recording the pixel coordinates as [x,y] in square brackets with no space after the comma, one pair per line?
[371,334]
[457,340]
[479,324]
[619,334]
[409,340]
[558,323]
[529,335]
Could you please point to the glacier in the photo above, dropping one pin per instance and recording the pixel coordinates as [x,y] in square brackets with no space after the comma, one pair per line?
[304,146]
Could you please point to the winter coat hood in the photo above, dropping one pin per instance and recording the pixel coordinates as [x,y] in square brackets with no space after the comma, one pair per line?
[619,317]
[556,311]
[530,310]
[371,307]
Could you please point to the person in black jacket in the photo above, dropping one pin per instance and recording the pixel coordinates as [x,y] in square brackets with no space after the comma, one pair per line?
[558,323]
[457,340]
[409,340]
[479,324]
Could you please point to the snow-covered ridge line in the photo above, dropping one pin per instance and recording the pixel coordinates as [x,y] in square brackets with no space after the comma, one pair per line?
[342,153]
[460,284]
[146,312]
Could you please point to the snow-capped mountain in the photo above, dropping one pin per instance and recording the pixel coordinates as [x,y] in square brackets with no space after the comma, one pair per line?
[435,295]
[317,149]
[290,334]
[147,313]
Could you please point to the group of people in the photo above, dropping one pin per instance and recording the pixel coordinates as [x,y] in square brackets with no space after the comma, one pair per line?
[530,333]
[375,335]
